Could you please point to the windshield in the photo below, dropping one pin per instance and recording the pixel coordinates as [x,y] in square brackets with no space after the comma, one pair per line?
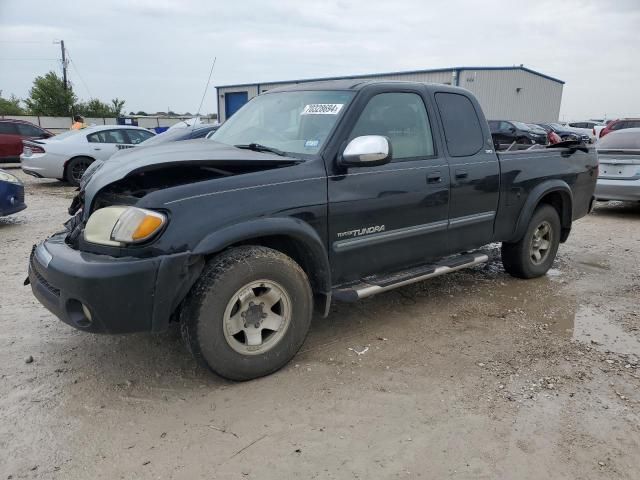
[294,122]
[62,136]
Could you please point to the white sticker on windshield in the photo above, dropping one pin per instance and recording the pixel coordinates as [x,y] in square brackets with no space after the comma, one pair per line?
[322,109]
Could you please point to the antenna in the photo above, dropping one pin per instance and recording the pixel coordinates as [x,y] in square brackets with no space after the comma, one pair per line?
[205,91]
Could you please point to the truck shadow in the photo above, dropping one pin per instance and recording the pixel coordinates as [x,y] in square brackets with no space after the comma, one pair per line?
[622,210]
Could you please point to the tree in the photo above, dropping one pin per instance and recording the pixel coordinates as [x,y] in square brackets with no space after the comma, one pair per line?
[117,107]
[49,97]
[10,106]
[94,108]
[140,112]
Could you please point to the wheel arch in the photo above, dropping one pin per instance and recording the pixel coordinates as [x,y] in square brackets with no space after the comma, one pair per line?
[68,161]
[556,193]
[293,237]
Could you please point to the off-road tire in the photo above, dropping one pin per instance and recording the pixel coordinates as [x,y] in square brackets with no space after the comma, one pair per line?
[516,257]
[71,168]
[202,313]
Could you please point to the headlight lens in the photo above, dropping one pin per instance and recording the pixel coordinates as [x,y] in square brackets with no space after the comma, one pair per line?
[119,226]
[7,177]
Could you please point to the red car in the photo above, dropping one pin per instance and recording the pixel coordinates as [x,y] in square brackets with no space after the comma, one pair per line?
[620,124]
[12,132]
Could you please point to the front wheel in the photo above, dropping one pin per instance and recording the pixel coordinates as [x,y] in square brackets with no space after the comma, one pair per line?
[248,314]
[533,255]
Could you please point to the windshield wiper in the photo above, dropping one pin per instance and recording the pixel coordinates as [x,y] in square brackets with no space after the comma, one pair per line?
[256,147]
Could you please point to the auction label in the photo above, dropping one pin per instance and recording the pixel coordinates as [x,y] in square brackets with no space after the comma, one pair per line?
[322,109]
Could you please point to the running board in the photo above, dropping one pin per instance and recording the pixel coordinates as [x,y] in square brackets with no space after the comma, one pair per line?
[381,283]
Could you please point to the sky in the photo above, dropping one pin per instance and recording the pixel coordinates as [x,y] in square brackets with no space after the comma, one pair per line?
[157,54]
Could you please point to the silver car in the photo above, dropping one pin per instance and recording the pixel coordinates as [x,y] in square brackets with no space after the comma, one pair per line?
[619,177]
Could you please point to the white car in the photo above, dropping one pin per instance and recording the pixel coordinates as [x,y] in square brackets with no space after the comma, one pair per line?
[67,156]
[619,171]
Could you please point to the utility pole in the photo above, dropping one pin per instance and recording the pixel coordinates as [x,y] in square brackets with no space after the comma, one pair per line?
[64,64]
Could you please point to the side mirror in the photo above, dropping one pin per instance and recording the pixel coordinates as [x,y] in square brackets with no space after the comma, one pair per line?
[366,151]
[512,129]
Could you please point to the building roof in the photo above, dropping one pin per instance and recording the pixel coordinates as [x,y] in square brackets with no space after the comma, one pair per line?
[408,72]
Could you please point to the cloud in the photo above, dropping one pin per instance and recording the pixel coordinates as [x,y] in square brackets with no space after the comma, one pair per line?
[156,54]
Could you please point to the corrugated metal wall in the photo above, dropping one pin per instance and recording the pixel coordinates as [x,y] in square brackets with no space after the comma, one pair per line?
[538,99]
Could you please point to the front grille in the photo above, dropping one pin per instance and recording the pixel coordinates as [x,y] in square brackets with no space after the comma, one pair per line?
[20,196]
[41,279]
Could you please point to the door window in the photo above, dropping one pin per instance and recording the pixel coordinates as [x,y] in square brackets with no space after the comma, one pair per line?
[107,136]
[27,130]
[461,124]
[138,136]
[7,128]
[403,118]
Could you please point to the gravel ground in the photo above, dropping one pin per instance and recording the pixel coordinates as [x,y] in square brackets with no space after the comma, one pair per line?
[471,375]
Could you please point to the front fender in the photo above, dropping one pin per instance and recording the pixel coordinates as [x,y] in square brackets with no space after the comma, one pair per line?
[291,227]
[533,200]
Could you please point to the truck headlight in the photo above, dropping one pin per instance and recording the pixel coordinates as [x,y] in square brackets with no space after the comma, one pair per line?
[119,226]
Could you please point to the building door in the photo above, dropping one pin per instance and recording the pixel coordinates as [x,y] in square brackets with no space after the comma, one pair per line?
[233,101]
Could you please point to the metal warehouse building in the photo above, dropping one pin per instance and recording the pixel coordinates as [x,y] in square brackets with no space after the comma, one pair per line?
[508,93]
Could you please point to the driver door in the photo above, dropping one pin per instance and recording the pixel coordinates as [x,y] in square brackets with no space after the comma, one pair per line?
[383,218]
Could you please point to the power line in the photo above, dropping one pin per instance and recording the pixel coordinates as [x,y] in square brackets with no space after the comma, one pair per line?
[73,64]
[27,59]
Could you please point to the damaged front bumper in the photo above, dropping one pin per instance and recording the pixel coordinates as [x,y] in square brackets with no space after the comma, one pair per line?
[104,294]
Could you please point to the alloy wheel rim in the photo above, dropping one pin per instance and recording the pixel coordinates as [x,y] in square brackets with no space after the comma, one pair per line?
[78,170]
[541,243]
[257,317]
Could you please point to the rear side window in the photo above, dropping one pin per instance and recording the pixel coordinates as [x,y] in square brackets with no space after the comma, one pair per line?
[107,136]
[462,128]
[7,128]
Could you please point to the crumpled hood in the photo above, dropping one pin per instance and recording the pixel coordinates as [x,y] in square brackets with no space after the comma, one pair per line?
[140,158]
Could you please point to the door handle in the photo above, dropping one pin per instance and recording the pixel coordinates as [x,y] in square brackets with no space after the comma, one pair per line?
[96,148]
[434,177]
[462,174]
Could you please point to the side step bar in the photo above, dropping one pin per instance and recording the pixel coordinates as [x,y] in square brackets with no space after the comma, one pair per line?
[381,283]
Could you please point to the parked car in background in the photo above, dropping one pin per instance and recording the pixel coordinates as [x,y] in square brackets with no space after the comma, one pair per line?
[552,136]
[584,130]
[506,132]
[620,124]
[565,133]
[619,176]
[12,133]
[179,134]
[11,194]
[67,156]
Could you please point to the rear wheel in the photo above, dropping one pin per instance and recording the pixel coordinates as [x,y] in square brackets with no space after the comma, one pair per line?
[76,168]
[534,254]
[248,314]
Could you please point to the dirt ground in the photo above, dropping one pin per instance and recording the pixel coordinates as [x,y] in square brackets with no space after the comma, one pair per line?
[473,375]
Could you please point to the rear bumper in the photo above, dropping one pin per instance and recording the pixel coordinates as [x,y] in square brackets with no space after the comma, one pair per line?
[119,295]
[46,165]
[624,190]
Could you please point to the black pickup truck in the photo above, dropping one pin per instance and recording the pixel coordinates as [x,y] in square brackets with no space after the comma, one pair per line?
[307,195]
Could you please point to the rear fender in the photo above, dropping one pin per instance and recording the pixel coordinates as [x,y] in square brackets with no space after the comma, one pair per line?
[534,199]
